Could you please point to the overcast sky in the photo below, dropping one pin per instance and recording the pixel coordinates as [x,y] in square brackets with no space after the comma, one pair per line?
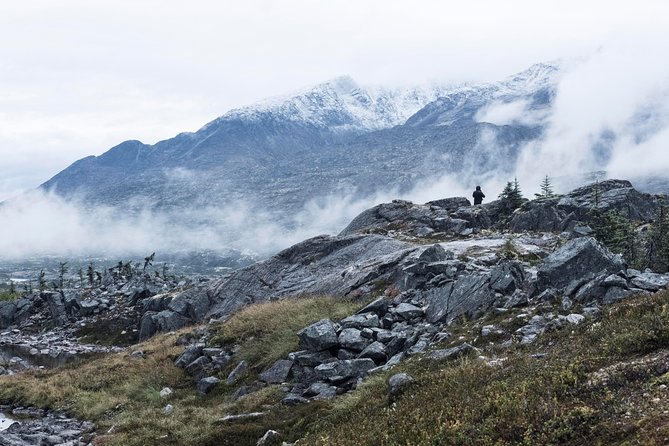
[79,76]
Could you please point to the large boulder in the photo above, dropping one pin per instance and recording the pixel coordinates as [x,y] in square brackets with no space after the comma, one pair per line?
[616,195]
[166,320]
[469,295]
[352,339]
[56,307]
[410,217]
[7,312]
[323,265]
[575,259]
[539,215]
[192,303]
[319,336]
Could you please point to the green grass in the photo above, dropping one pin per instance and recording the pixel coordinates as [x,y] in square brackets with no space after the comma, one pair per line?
[599,384]
[267,332]
[122,392]
[6,295]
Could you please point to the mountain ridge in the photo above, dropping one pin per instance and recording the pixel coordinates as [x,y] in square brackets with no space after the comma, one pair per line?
[337,129]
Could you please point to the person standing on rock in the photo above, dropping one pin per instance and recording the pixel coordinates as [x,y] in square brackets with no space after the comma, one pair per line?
[478,196]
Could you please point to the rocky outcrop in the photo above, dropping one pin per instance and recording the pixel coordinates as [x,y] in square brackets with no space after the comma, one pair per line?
[561,212]
[575,260]
[367,253]
[540,215]
[616,195]
[7,313]
[31,425]
[323,265]
[411,218]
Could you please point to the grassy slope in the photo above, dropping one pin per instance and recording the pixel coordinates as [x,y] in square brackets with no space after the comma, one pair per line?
[122,393]
[597,384]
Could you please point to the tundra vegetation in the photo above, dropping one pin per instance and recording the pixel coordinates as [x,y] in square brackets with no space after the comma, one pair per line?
[601,382]
[595,371]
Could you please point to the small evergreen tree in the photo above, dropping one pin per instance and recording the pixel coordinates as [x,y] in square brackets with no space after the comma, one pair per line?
[507,191]
[62,270]
[90,274]
[516,188]
[596,195]
[546,188]
[41,282]
[148,261]
[658,241]
[511,196]
[12,287]
[630,244]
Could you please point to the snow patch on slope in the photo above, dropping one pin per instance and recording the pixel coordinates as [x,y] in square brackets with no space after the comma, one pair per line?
[342,105]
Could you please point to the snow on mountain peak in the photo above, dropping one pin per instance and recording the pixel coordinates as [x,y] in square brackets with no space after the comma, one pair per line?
[342,105]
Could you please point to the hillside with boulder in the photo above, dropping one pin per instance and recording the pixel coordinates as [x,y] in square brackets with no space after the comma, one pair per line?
[406,282]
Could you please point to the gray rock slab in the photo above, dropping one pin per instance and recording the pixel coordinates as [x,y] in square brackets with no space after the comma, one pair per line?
[339,371]
[650,281]
[360,321]
[450,353]
[407,311]
[321,335]
[237,373]
[278,373]
[323,265]
[575,259]
[506,277]
[206,385]
[309,358]
[352,339]
[378,306]
[189,355]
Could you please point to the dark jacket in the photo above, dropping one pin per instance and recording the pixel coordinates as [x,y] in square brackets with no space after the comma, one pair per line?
[478,196]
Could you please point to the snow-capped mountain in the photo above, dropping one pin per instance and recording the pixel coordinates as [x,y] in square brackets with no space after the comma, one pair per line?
[535,84]
[335,136]
[342,106]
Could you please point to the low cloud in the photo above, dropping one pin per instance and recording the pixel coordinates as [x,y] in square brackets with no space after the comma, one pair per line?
[39,223]
[610,113]
[511,113]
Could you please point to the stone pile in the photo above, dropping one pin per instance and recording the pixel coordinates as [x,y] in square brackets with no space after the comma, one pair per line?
[203,363]
[39,427]
[52,348]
